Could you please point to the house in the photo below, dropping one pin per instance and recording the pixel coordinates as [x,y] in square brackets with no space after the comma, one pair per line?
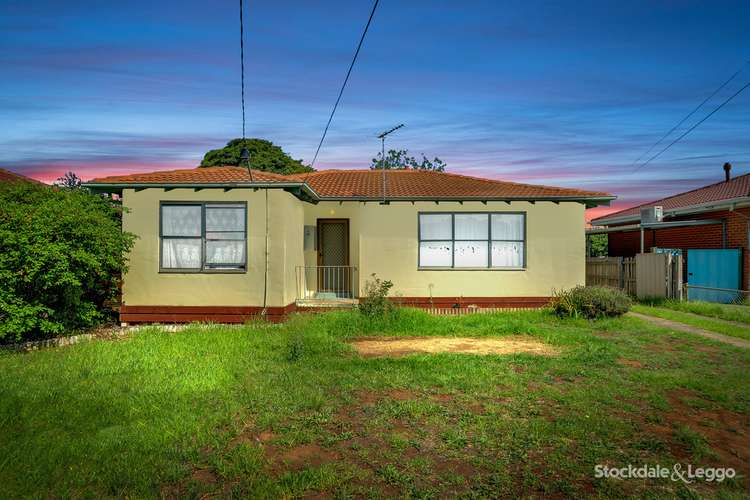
[716,216]
[224,243]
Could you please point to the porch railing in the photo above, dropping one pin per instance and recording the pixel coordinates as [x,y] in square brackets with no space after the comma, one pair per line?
[326,282]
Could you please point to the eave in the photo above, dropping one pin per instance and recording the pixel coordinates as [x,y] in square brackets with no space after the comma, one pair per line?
[590,201]
[298,189]
[304,192]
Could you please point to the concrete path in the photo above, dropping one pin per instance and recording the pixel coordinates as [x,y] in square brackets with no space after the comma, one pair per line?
[718,320]
[681,327]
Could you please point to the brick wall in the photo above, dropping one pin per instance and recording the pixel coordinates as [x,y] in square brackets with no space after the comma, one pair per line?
[627,244]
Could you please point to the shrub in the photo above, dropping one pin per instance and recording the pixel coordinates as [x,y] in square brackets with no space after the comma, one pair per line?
[375,303]
[591,302]
[62,253]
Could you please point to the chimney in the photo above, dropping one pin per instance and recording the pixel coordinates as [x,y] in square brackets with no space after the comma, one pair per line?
[727,169]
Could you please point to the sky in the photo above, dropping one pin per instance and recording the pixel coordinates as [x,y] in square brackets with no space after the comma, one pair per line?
[559,93]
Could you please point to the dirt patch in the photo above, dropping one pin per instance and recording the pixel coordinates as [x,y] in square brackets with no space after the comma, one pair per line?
[630,363]
[204,476]
[250,437]
[726,433]
[400,346]
[299,457]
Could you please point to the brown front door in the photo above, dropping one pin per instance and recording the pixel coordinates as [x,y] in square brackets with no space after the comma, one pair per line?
[333,257]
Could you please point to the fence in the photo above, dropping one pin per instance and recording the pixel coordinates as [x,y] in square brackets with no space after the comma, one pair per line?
[615,272]
[645,275]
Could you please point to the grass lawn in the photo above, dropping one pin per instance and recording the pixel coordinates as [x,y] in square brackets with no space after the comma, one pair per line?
[267,410]
[729,312]
[707,323]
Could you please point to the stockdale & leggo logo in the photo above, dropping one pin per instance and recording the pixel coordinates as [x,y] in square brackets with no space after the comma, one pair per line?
[687,474]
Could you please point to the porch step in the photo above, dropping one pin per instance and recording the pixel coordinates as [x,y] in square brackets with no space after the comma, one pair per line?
[327,303]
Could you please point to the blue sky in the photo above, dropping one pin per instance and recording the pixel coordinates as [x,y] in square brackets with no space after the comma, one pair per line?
[555,93]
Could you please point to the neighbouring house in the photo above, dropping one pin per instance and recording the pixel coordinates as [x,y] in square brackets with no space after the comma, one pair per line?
[716,216]
[225,243]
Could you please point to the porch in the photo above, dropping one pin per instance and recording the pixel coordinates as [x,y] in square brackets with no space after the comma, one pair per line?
[326,286]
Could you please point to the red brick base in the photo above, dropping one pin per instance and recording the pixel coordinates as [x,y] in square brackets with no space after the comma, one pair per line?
[187,314]
[240,314]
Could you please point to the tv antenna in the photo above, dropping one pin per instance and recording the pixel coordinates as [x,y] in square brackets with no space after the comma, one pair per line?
[382,153]
[244,153]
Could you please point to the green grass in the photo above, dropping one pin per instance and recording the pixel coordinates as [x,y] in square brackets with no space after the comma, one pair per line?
[290,410]
[698,321]
[729,312]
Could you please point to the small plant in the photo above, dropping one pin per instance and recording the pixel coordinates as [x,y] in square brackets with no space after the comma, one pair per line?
[592,302]
[375,303]
[295,347]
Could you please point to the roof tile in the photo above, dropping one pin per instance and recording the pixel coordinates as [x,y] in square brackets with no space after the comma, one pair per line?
[367,184]
[8,176]
[725,190]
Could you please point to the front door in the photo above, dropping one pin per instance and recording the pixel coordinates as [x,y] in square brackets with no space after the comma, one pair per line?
[333,257]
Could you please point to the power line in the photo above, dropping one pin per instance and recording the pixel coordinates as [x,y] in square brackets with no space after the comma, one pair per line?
[694,126]
[242,66]
[691,113]
[341,92]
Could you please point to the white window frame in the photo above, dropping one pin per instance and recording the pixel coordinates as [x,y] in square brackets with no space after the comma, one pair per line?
[215,268]
[453,241]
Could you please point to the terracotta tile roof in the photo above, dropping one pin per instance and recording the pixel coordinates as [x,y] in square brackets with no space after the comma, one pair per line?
[737,187]
[201,175]
[425,184]
[8,176]
[365,184]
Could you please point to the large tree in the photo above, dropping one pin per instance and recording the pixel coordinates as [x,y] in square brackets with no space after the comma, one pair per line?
[264,155]
[399,159]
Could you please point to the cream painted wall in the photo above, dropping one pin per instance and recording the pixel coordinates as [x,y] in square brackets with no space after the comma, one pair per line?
[144,285]
[383,240]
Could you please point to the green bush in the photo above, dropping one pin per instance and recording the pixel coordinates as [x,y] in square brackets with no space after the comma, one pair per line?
[375,303]
[591,302]
[62,253]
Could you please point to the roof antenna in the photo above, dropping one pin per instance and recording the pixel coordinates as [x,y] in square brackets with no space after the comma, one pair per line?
[382,154]
[244,153]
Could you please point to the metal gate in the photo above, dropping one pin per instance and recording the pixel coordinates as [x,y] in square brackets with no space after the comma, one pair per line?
[712,269]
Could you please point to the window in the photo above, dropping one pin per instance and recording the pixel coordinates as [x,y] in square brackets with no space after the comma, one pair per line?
[472,240]
[203,236]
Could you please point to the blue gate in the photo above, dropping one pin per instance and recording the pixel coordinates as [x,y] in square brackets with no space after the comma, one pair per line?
[714,269]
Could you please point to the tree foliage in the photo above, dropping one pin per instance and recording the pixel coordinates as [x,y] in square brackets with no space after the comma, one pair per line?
[62,253]
[264,155]
[598,246]
[69,181]
[399,159]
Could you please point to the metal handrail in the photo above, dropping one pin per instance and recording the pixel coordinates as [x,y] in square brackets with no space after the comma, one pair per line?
[326,282]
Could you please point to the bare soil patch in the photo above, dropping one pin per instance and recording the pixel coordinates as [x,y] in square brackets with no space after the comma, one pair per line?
[726,433]
[400,346]
[630,363]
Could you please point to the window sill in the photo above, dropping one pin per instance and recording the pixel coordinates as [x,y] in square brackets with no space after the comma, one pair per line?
[203,271]
[471,269]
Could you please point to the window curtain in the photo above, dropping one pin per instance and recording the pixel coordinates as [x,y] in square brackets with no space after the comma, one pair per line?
[507,227]
[179,253]
[181,220]
[507,254]
[225,235]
